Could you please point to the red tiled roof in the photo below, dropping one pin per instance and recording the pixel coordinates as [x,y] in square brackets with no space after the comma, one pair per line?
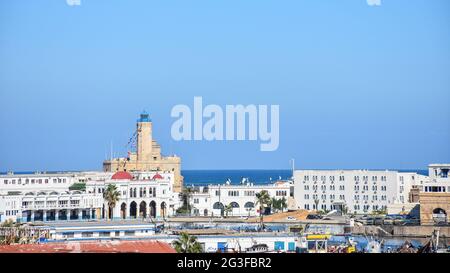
[122,176]
[91,247]
[157,176]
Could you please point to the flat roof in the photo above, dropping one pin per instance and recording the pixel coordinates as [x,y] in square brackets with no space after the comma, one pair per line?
[91,247]
[101,223]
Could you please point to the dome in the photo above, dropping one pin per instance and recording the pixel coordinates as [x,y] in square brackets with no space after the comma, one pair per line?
[157,176]
[122,176]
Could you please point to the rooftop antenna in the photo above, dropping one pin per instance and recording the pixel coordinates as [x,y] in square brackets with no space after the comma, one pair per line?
[111,150]
[293,166]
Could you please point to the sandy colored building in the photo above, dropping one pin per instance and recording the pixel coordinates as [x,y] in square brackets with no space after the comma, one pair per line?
[434,207]
[147,156]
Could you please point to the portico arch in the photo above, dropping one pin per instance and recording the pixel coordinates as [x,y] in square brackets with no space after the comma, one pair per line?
[133,209]
[439,215]
[143,209]
[153,209]
[123,210]
[163,209]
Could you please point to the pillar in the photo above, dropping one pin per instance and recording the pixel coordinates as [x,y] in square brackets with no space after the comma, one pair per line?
[68,214]
[32,215]
[44,216]
[56,215]
[80,214]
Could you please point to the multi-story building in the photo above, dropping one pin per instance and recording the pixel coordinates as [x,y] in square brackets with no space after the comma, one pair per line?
[45,197]
[147,156]
[211,200]
[359,191]
[363,191]
[142,194]
[434,196]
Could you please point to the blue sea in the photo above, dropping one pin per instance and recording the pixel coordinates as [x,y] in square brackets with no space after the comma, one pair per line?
[205,177]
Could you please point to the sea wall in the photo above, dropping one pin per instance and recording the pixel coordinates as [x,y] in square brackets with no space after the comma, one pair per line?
[401,231]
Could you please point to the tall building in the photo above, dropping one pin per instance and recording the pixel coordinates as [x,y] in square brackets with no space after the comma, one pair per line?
[360,191]
[147,156]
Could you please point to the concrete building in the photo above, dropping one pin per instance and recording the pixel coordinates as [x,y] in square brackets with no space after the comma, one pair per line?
[357,191]
[147,156]
[434,196]
[363,191]
[142,194]
[43,197]
[211,200]
[46,197]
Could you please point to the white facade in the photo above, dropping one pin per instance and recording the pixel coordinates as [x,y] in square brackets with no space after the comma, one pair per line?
[46,197]
[439,179]
[210,200]
[148,194]
[54,206]
[25,183]
[363,191]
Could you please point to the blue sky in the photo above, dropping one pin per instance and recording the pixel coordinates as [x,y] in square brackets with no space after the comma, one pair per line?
[358,86]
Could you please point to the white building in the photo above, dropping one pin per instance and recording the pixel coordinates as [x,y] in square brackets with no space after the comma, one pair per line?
[439,179]
[363,191]
[46,197]
[211,200]
[142,194]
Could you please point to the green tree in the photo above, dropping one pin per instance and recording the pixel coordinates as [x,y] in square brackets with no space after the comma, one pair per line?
[78,187]
[111,196]
[263,200]
[275,203]
[187,244]
[228,208]
[283,204]
[186,196]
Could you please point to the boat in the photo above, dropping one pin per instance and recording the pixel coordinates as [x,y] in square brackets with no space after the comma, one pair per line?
[257,248]
[313,243]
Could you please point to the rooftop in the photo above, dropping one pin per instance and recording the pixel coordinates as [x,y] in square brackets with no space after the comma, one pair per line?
[91,247]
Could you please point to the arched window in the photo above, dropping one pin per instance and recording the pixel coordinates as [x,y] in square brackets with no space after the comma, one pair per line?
[249,205]
[218,205]
[234,205]
[439,215]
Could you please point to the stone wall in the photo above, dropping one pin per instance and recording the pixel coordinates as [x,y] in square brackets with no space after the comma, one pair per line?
[430,201]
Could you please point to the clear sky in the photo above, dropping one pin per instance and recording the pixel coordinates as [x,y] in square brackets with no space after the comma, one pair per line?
[358,86]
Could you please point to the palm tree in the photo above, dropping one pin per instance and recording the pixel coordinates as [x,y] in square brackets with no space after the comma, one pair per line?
[187,244]
[111,196]
[283,204]
[228,208]
[186,195]
[263,199]
[275,203]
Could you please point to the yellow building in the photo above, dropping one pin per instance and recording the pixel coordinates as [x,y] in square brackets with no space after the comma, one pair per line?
[147,156]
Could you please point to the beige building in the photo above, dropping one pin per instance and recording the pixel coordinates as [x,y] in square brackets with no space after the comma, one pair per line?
[434,207]
[147,156]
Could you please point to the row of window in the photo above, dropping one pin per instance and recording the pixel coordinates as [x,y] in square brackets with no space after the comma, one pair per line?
[436,189]
[333,207]
[324,196]
[11,212]
[235,193]
[142,192]
[342,178]
[366,188]
[374,197]
[33,181]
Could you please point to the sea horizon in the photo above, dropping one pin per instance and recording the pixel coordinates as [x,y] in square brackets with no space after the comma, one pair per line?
[235,176]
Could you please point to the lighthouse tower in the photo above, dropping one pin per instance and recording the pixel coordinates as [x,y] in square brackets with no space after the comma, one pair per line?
[144,138]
